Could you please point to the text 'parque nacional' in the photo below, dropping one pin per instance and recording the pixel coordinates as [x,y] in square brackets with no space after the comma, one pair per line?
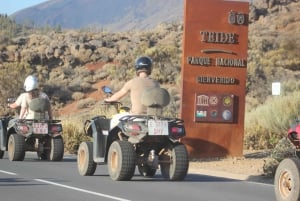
[221,62]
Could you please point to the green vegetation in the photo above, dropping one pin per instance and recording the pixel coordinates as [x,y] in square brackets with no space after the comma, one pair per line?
[268,123]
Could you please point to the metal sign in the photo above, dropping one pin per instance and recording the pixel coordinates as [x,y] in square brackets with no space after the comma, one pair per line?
[214,72]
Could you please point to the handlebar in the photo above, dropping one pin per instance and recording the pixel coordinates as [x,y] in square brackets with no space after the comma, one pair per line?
[116,104]
[11,100]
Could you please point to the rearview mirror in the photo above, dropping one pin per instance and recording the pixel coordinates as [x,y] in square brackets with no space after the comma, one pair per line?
[106,90]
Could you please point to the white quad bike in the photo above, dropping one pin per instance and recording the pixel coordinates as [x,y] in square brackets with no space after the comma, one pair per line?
[148,141]
[37,135]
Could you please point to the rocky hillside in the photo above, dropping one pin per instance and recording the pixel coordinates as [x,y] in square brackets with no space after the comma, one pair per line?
[113,15]
[70,63]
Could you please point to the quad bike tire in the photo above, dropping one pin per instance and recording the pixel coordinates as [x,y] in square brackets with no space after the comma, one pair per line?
[53,150]
[16,147]
[57,149]
[1,154]
[85,163]
[177,167]
[146,170]
[287,180]
[121,161]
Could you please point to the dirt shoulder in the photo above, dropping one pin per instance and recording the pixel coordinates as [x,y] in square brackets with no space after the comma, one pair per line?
[249,167]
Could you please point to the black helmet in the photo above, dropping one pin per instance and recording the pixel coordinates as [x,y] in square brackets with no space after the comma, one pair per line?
[143,64]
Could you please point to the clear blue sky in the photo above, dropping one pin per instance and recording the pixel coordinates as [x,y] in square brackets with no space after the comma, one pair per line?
[10,6]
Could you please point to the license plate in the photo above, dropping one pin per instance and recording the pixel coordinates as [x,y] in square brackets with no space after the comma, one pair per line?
[40,128]
[158,127]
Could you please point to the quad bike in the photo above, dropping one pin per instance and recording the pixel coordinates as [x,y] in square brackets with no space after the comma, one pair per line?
[39,135]
[287,175]
[147,141]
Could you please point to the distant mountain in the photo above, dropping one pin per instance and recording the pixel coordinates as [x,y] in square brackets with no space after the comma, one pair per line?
[113,15]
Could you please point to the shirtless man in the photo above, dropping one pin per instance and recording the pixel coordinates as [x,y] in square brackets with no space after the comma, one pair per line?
[136,86]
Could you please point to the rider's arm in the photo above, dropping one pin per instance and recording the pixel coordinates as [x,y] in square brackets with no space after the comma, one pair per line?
[20,102]
[13,105]
[17,103]
[22,113]
[117,96]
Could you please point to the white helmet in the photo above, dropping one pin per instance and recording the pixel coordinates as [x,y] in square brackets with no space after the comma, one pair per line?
[31,83]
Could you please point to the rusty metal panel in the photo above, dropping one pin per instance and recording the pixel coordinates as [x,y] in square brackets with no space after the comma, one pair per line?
[215,44]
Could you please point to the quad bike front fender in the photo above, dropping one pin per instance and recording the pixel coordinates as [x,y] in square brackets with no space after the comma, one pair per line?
[3,136]
[98,127]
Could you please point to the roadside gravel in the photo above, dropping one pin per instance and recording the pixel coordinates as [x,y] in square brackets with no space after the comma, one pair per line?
[249,167]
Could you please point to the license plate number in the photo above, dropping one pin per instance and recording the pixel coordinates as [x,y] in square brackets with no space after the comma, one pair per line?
[40,128]
[158,127]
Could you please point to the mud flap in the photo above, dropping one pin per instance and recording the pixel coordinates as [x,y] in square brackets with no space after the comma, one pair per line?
[3,135]
[100,127]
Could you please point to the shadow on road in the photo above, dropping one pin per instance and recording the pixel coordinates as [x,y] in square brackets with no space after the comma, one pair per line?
[5,182]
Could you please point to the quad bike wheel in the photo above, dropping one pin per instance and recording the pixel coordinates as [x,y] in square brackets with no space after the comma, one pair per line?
[85,163]
[1,154]
[177,167]
[121,161]
[53,149]
[16,147]
[146,170]
[57,149]
[287,180]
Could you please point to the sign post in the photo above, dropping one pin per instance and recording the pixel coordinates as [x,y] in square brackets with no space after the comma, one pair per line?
[215,44]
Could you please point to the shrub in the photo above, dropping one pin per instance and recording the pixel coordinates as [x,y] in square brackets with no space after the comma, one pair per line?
[77,95]
[268,123]
[85,103]
[73,135]
[283,149]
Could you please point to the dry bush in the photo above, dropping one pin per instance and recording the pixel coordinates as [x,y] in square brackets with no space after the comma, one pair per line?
[85,103]
[73,135]
[172,110]
[86,86]
[77,96]
[12,76]
[283,149]
[268,123]
[59,93]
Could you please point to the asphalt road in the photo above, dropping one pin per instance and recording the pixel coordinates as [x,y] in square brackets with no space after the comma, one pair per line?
[35,180]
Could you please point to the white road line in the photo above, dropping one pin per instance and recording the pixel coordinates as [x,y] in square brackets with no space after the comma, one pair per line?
[10,173]
[81,190]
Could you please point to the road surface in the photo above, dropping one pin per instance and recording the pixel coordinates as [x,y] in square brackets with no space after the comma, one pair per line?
[35,180]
